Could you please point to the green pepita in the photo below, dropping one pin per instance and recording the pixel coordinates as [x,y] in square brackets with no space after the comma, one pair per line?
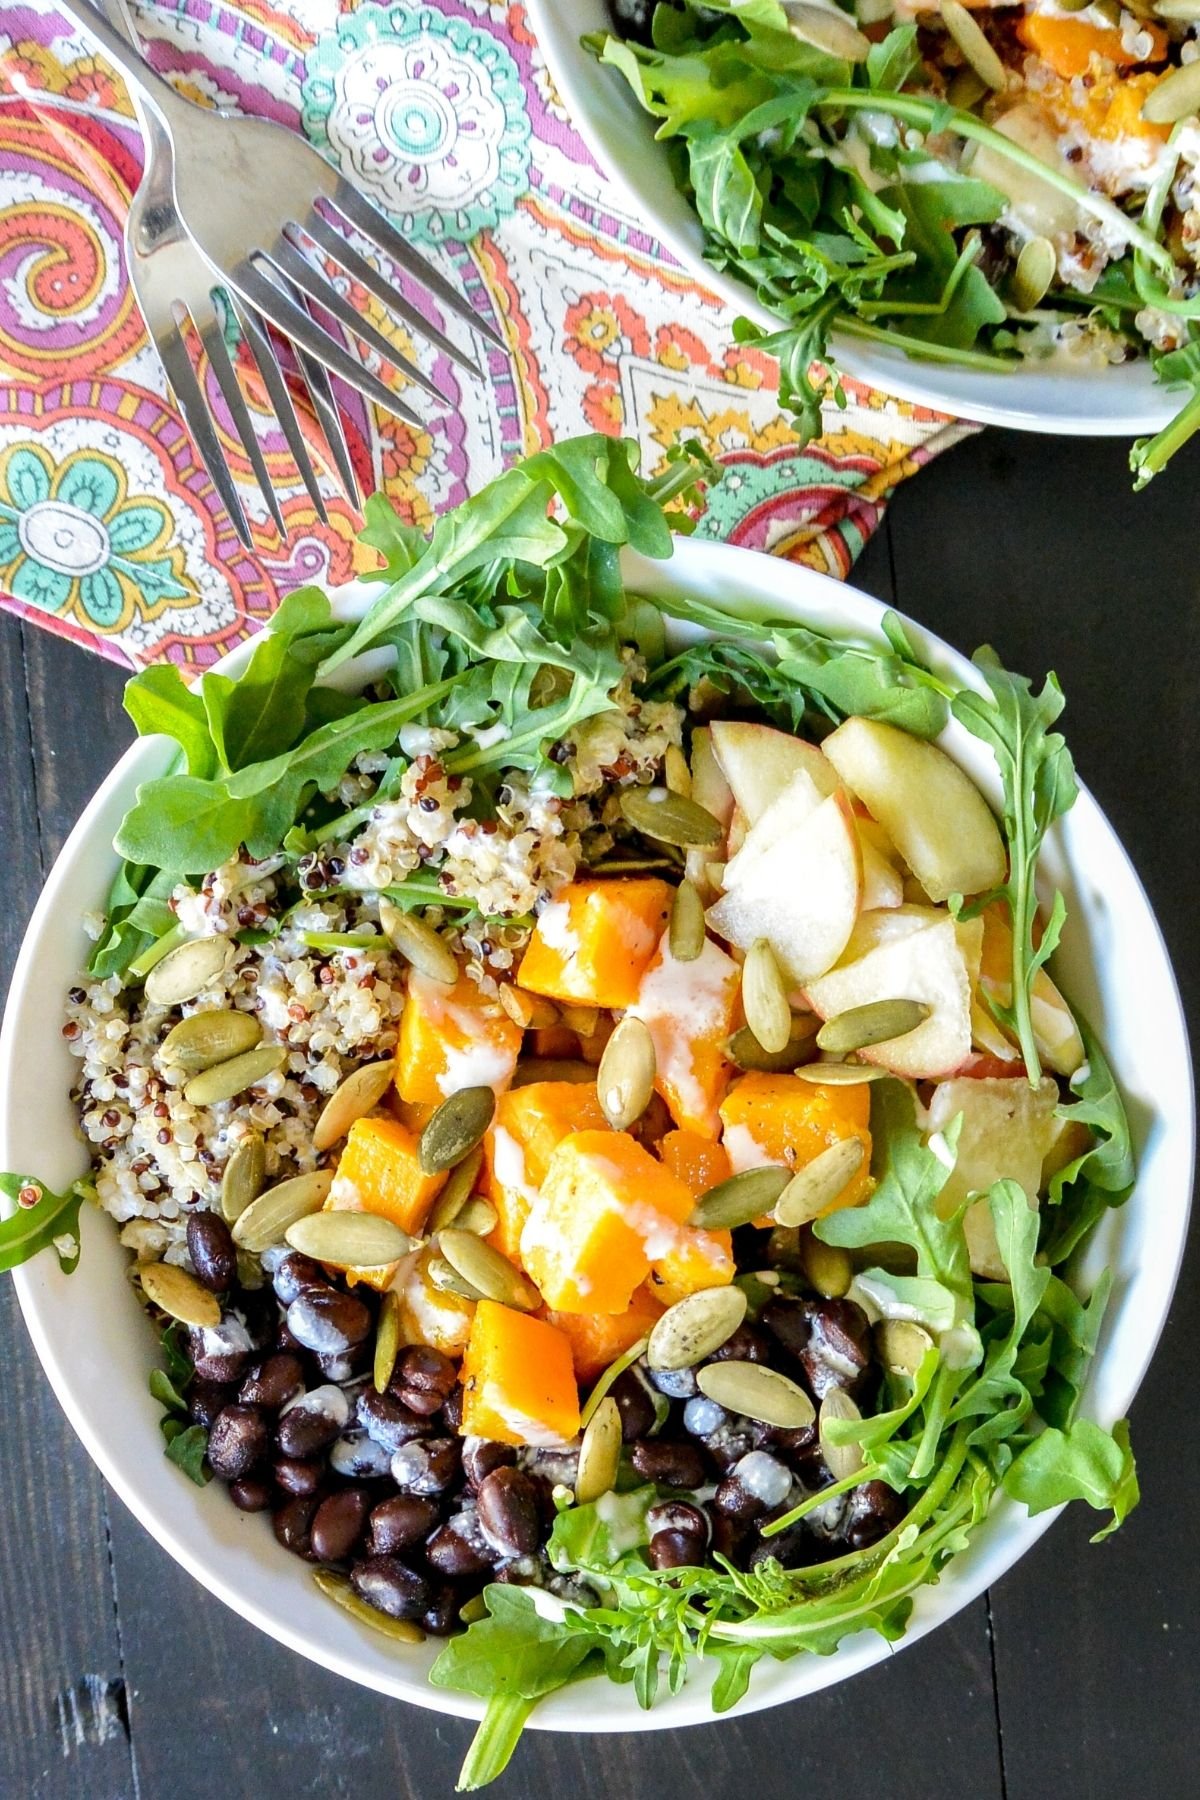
[460,1185]
[741,1199]
[757,1392]
[764,998]
[418,943]
[902,1345]
[489,1273]
[265,1221]
[687,923]
[815,1187]
[744,1049]
[338,1589]
[694,1327]
[625,1077]
[969,37]
[244,1175]
[353,1099]
[179,1294]
[838,1074]
[206,1038]
[878,1023]
[447,1280]
[1036,268]
[479,1216]
[584,1021]
[675,768]
[671,818]
[228,1079]
[605,1380]
[826,1267]
[599,1453]
[966,88]
[549,1068]
[455,1128]
[1175,97]
[349,1240]
[387,1340]
[187,970]
[842,1460]
[530,1011]
[826,29]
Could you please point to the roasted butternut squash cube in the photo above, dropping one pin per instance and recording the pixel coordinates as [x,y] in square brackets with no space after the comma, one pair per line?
[592,942]
[1069,45]
[452,1038]
[688,1009]
[380,1172]
[699,1162]
[781,1119]
[557,1043]
[416,1114]
[597,1339]
[518,1379]
[530,1123]
[607,1209]
[427,1314]
[694,1259]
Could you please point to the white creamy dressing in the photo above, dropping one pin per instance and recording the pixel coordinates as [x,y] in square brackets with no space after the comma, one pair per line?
[624,1526]
[555,929]
[509,1166]
[344,1195]
[479,1061]
[529,1431]
[744,1150]
[684,1004]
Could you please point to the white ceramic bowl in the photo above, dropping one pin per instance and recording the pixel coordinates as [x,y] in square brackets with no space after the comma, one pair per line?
[97,1349]
[1079,402]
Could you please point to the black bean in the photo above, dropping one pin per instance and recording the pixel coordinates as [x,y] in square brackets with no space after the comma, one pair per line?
[440,1617]
[286,1341]
[796,1548]
[252,1493]
[310,1425]
[678,1515]
[273,1382]
[293,1522]
[295,1275]
[296,1475]
[737,1502]
[205,1400]
[401,1522]
[872,1510]
[838,1343]
[212,1250]
[388,1422]
[327,1321]
[745,1345]
[345,1366]
[459,1549]
[672,1465]
[634,1405]
[510,1514]
[787,1320]
[216,1365]
[481,1455]
[676,1550]
[427,1465]
[338,1524]
[424,1369]
[390,1586]
[452,1412]
[236,1441]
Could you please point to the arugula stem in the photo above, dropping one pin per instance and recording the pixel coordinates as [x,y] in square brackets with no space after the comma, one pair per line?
[154,953]
[1150,455]
[930,309]
[1023,907]
[343,940]
[494,1742]
[802,1510]
[853,326]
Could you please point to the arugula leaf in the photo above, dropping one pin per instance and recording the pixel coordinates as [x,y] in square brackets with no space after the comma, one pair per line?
[163,1389]
[1083,1463]
[186,1449]
[597,1536]
[159,701]
[494,1742]
[51,1223]
[514,1652]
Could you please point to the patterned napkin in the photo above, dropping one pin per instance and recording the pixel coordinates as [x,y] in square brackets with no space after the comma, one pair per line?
[110,531]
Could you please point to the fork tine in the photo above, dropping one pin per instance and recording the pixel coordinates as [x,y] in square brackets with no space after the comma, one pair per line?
[239,412]
[292,262]
[372,223]
[263,352]
[188,396]
[290,318]
[325,407]
[359,269]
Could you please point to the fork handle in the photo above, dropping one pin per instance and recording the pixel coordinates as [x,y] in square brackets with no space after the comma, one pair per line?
[157,92]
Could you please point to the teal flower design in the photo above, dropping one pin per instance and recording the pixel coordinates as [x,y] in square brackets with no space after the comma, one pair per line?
[426,113]
[73,544]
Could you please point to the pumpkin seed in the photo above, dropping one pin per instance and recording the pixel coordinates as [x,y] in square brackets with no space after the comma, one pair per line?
[1036,268]
[349,1240]
[671,818]
[740,1200]
[530,1011]
[176,1292]
[974,45]
[418,943]
[842,1460]
[625,1078]
[838,1074]
[549,1068]
[338,1589]
[878,1023]
[826,1267]
[817,1185]
[967,89]
[244,1175]
[1177,9]
[228,1079]
[687,923]
[678,775]
[584,1021]
[605,1380]
[459,1187]
[448,1280]
[1175,97]
[250,1272]
[206,1038]
[764,998]
[387,1340]
[455,1128]
[826,29]
[265,1222]
[756,1392]
[599,1453]
[362,1089]
[187,970]
[902,1345]
[744,1049]
[491,1274]
[694,1327]
[479,1216]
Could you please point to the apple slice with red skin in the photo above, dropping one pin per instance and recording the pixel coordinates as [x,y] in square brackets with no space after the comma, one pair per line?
[758,762]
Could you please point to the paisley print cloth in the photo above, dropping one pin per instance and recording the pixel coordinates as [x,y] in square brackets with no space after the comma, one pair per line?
[110,531]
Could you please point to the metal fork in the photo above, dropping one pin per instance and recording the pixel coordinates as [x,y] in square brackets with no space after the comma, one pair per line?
[245,190]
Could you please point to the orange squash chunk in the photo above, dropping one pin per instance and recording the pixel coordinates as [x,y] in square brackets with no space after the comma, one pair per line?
[597,1339]
[695,1259]
[689,1009]
[555,1043]
[699,1162]
[416,1114]
[518,1379]
[530,1123]
[451,1038]
[1069,45]
[380,1173]
[607,1209]
[593,941]
[780,1119]
[427,1314]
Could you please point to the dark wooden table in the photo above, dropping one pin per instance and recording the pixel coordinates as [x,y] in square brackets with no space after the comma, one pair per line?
[121,1679]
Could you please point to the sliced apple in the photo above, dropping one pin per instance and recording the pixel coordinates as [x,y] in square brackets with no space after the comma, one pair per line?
[711,791]
[883,883]
[934,814]
[1008,1131]
[791,808]
[802,894]
[1054,1029]
[758,762]
[909,961]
